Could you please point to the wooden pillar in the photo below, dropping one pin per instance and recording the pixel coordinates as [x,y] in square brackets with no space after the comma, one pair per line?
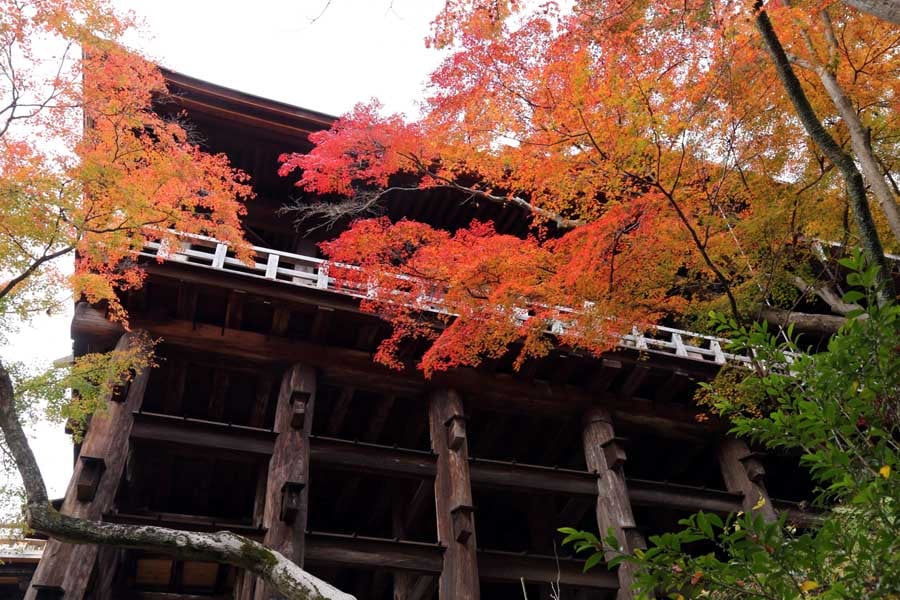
[92,489]
[285,511]
[453,497]
[605,456]
[743,473]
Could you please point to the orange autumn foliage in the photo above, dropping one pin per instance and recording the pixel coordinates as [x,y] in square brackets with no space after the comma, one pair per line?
[650,143]
[87,167]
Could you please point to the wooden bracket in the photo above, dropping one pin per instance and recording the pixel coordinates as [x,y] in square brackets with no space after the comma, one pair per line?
[614,452]
[291,495]
[463,522]
[48,592]
[754,467]
[456,431]
[299,402]
[89,478]
[633,538]
[120,391]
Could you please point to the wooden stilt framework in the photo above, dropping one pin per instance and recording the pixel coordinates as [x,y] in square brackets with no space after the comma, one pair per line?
[287,495]
[605,456]
[66,569]
[453,496]
[744,474]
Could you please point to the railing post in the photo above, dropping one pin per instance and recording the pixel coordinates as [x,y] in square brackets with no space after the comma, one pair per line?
[272,266]
[322,277]
[219,256]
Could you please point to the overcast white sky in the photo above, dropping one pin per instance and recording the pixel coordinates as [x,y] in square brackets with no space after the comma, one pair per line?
[353,51]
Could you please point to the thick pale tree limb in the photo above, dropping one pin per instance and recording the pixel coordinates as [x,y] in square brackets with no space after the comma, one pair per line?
[288,579]
[811,323]
[887,10]
[853,179]
[826,294]
[859,134]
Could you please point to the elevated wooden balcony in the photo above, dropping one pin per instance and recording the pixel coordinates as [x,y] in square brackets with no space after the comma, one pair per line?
[308,272]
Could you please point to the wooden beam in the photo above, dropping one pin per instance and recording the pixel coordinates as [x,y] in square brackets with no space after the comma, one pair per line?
[675,384]
[453,497]
[743,473]
[339,411]
[319,328]
[281,318]
[682,497]
[69,566]
[216,407]
[371,458]
[635,379]
[379,418]
[495,392]
[185,522]
[427,559]
[234,311]
[360,551]
[509,566]
[613,504]
[264,385]
[202,434]
[286,492]
[174,395]
[490,474]
[424,494]
[186,304]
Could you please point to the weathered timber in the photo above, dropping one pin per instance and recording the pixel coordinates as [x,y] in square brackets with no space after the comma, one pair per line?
[453,499]
[285,512]
[427,559]
[643,492]
[490,474]
[185,522]
[68,566]
[352,456]
[509,566]
[360,551]
[202,434]
[412,587]
[743,473]
[344,366]
[613,503]
[371,458]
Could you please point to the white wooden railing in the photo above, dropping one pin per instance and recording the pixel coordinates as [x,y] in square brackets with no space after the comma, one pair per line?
[309,272]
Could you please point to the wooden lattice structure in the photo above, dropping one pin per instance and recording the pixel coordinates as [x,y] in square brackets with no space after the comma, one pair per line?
[267,417]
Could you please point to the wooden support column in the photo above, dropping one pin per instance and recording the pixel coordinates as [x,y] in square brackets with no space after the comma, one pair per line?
[286,492]
[743,473]
[453,497]
[66,568]
[605,456]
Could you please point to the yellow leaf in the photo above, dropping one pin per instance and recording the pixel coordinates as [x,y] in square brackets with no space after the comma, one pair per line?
[885,471]
[679,597]
[760,503]
[808,586]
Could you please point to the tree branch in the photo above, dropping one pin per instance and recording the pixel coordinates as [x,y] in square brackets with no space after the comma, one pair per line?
[853,180]
[822,324]
[826,294]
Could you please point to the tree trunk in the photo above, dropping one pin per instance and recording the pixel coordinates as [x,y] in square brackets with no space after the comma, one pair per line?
[853,180]
[810,323]
[888,10]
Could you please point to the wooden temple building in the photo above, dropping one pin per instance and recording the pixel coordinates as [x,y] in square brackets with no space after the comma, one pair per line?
[266,416]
